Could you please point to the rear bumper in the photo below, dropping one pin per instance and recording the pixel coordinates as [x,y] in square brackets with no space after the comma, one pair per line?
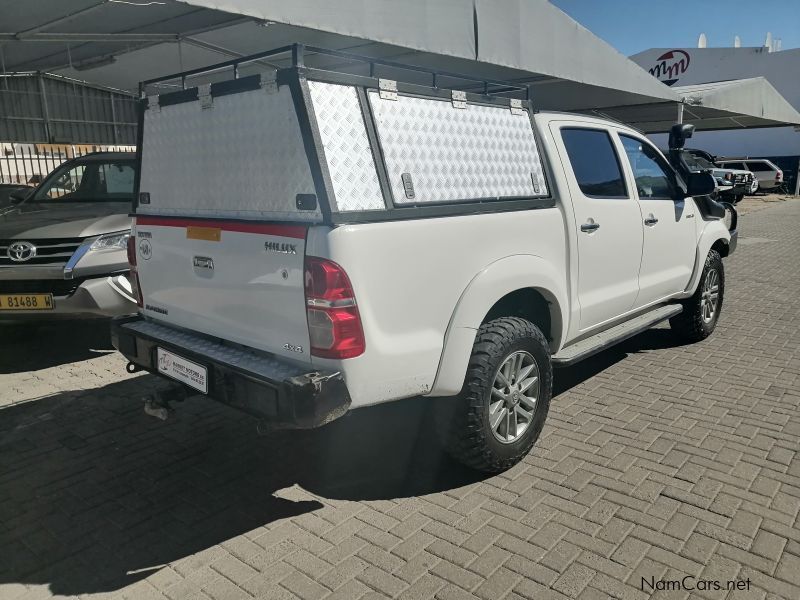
[97,297]
[285,395]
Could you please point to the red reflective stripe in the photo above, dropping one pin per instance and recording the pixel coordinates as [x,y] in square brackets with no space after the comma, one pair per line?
[289,231]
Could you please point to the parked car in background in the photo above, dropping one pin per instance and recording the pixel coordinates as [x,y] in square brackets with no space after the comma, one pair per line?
[63,245]
[732,185]
[7,189]
[768,174]
[302,296]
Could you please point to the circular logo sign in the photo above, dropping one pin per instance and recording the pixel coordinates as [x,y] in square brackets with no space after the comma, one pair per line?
[670,66]
[21,251]
[145,249]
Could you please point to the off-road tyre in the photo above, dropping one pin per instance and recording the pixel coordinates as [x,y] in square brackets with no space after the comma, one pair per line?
[690,325]
[463,421]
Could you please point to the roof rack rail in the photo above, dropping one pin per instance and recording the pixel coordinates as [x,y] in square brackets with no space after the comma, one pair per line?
[297,54]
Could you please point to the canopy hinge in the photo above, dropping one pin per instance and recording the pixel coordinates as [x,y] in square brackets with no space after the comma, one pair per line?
[204,95]
[459,99]
[516,107]
[387,89]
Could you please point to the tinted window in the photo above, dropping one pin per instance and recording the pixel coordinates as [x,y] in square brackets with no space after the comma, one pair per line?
[649,170]
[759,166]
[594,162]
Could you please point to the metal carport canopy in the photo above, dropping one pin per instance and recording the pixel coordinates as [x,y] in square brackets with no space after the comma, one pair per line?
[734,104]
[118,43]
[529,41]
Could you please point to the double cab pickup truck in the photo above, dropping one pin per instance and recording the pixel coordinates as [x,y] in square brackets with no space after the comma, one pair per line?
[308,242]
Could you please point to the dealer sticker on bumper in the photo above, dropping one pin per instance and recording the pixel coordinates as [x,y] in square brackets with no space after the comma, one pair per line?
[183,370]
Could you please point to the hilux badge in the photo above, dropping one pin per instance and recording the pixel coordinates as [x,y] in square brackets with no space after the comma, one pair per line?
[280,247]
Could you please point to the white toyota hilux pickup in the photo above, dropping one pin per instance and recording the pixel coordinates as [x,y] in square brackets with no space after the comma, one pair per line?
[308,242]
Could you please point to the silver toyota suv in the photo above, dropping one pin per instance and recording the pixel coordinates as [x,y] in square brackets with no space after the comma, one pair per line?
[63,245]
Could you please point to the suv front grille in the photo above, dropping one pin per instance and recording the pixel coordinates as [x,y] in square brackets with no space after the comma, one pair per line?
[49,252]
[57,287]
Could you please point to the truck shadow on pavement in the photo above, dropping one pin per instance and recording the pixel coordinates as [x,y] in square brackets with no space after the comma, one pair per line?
[96,495]
[36,346]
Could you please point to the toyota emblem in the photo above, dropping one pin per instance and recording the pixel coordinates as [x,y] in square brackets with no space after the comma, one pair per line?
[21,251]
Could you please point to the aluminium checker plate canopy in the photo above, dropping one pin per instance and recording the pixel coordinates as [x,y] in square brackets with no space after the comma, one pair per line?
[306,145]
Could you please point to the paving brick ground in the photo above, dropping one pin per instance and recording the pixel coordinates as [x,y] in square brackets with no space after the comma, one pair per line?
[658,462]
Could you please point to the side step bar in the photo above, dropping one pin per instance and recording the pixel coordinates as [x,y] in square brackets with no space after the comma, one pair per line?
[605,339]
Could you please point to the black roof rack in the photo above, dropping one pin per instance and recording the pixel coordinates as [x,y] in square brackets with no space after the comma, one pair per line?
[297,54]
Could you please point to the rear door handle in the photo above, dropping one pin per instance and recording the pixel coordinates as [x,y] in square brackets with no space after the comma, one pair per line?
[651,220]
[589,227]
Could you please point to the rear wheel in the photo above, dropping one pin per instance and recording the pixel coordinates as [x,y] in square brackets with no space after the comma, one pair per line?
[498,416]
[701,311]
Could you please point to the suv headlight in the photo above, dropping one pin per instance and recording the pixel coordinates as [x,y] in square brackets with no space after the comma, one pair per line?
[112,241]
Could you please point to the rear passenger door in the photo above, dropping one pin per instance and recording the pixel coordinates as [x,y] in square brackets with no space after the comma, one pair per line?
[668,223]
[606,220]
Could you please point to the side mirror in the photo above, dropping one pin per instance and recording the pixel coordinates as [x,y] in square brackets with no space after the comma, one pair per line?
[679,133]
[19,196]
[700,183]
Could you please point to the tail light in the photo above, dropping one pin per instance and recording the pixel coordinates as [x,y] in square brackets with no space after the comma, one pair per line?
[137,288]
[334,325]
[779,176]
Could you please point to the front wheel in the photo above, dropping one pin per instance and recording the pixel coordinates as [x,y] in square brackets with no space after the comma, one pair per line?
[701,311]
[498,416]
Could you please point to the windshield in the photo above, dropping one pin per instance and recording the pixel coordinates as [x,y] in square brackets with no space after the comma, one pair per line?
[697,162]
[94,181]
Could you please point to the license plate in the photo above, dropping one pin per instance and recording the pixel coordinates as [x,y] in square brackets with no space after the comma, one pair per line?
[26,301]
[182,370]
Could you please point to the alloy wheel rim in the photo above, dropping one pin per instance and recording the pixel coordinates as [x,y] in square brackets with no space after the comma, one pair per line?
[709,297]
[513,397]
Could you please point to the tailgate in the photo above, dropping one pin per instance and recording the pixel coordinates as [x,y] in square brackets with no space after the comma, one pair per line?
[226,197]
[237,281]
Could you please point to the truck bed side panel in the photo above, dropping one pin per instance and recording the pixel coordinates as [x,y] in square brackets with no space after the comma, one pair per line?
[408,277]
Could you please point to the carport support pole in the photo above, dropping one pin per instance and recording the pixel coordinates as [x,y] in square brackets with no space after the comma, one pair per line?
[3,64]
[680,112]
[45,112]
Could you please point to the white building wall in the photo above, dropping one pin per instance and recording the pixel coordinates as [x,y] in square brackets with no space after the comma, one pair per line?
[703,65]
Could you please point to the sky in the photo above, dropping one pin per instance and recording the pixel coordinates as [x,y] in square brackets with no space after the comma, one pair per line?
[629,25]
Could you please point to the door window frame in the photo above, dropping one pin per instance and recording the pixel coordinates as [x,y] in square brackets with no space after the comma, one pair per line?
[613,143]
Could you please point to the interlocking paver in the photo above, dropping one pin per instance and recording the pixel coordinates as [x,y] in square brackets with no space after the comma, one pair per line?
[658,460]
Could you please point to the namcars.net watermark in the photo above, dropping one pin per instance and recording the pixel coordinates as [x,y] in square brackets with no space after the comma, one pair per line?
[691,583]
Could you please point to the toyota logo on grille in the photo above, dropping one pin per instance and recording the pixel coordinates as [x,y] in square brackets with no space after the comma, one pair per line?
[21,251]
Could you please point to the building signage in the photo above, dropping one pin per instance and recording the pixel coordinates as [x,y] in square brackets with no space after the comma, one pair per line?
[670,66]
